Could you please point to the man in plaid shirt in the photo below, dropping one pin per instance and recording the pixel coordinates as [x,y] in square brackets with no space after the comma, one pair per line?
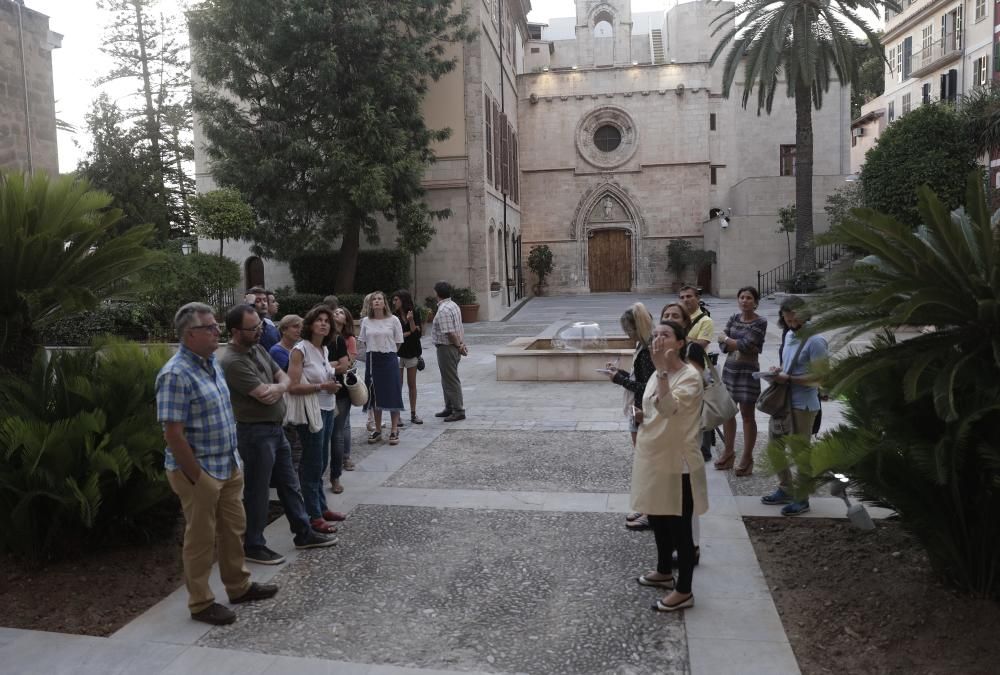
[448,335]
[203,466]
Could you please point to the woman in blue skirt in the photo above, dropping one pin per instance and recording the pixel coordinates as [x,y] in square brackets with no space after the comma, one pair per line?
[381,334]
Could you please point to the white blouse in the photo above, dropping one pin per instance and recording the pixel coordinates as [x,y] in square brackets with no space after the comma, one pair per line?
[381,335]
[316,369]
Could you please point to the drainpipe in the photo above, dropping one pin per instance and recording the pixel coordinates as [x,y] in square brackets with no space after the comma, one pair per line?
[24,79]
[506,268]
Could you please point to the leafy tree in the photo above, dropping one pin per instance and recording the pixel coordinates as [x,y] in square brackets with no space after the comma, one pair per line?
[540,262]
[786,225]
[871,75]
[148,48]
[222,214]
[57,257]
[120,163]
[312,111]
[806,42]
[922,426]
[175,279]
[927,146]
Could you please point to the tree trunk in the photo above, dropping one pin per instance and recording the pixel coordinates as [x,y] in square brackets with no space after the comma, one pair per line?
[185,210]
[805,250]
[152,123]
[347,262]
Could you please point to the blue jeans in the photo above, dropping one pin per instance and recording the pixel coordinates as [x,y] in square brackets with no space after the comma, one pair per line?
[267,462]
[341,438]
[315,457]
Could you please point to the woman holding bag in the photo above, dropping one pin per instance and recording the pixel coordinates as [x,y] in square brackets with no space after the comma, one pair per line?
[381,334]
[312,376]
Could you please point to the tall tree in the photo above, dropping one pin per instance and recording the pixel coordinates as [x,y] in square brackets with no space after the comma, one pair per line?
[222,214]
[120,163]
[312,111]
[805,42]
[871,75]
[148,48]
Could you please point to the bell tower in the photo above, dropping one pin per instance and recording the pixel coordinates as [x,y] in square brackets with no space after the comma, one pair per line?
[604,32]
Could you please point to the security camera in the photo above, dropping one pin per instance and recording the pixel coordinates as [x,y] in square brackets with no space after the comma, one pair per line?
[725,222]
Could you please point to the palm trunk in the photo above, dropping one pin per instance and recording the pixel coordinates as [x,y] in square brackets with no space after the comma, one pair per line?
[347,262]
[805,250]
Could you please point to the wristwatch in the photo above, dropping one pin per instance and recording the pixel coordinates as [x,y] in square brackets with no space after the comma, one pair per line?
[662,375]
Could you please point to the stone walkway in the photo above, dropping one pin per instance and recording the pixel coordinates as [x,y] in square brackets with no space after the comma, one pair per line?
[490,545]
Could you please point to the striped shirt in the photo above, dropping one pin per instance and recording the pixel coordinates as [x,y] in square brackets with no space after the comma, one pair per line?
[192,390]
[448,319]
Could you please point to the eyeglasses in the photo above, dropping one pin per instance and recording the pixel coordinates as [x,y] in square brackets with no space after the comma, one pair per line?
[253,329]
[208,327]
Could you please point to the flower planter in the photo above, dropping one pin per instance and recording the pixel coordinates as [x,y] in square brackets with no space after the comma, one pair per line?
[470,313]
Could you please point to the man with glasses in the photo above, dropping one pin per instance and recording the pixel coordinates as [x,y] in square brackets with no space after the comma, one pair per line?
[257,386]
[266,306]
[203,466]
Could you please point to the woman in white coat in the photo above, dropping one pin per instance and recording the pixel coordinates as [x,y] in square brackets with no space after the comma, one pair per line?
[668,475]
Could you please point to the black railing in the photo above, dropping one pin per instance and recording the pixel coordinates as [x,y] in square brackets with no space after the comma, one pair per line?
[777,278]
[223,299]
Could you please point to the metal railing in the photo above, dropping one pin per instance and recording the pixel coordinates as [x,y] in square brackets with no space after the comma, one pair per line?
[937,50]
[777,279]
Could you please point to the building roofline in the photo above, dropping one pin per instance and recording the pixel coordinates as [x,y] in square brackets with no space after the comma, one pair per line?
[869,116]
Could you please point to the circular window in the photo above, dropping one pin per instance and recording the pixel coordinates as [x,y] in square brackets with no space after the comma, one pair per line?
[607,138]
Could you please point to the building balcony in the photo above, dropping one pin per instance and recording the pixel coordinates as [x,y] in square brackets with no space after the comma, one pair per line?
[938,54]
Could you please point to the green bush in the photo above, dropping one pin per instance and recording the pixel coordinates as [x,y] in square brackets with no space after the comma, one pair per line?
[540,262]
[130,320]
[385,270]
[463,296]
[81,452]
[928,146]
[300,303]
[177,279]
[922,426]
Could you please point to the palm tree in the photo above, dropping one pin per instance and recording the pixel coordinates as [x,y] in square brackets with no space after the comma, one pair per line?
[59,255]
[806,41]
[980,111]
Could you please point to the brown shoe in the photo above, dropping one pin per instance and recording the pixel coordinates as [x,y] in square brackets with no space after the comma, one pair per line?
[455,417]
[348,464]
[336,487]
[256,592]
[215,614]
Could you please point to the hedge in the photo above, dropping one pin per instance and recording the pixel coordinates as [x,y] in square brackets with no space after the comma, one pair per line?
[385,270]
[300,303]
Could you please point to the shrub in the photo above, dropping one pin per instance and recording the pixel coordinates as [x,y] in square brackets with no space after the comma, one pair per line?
[383,270]
[81,452]
[540,262]
[300,303]
[927,146]
[177,279]
[130,320]
[463,296]
[922,426]
[677,256]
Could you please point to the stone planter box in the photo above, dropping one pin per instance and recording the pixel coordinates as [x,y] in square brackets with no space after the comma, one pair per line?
[533,359]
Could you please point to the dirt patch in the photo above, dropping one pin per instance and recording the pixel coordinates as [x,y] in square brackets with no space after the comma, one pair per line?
[867,602]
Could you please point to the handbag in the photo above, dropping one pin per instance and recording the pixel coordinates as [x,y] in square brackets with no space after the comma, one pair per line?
[717,405]
[420,363]
[356,389]
[303,409]
[776,400]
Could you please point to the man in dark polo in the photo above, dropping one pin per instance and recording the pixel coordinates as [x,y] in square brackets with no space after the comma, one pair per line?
[257,386]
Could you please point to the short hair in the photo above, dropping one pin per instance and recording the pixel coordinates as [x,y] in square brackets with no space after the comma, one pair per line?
[684,313]
[638,319]
[311,317]
[234,317]
[348,322]
[443,289]
[270,294]
[288,320]
[385,303]
[184,318]
[257,290]
[752,291]
[679,331]
[793,303]
[689,287]
[331,301]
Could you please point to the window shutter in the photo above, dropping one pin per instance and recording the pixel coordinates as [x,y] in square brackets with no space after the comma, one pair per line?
[504,155]
[488,116]
[515,173]
[925,96]
[907,56]
[496,146]
[952,84]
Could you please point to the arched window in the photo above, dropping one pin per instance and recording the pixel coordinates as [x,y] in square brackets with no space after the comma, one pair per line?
[253,271]
[501,270]
[603,29]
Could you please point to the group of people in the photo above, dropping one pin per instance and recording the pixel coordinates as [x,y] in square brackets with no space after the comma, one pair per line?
[664,405]
[230,423]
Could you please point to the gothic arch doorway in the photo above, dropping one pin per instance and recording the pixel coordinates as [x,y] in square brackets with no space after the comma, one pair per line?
[253,272]
[608,227]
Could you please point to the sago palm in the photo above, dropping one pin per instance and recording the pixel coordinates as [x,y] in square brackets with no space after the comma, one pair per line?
[57,256]
[806,42]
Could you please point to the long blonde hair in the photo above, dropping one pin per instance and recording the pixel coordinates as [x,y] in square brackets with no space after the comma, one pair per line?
[638,322]
[369,312]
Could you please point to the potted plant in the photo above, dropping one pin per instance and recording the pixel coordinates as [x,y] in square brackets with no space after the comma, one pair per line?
[540,262]
[495,287]
[700,259]
[431,305]
[465,298]
[677,260]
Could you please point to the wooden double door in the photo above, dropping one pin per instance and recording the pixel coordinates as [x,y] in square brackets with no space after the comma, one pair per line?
[609,259]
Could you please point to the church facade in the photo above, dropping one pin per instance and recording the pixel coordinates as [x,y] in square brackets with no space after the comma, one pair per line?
[604,136]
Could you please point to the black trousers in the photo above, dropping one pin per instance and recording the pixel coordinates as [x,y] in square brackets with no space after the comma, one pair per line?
[674,533]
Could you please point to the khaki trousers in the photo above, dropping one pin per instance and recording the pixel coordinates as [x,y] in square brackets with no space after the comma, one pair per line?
[213,510]
[448,358]
[802,425]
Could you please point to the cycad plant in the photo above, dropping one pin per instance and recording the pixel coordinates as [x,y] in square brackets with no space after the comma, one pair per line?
[81,453]
[922,429]
[807,43]
[58,255]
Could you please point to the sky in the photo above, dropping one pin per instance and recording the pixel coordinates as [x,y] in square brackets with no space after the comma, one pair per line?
[79,61]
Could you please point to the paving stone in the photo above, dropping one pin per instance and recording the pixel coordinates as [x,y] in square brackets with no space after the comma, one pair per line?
[541,460]
[459,589]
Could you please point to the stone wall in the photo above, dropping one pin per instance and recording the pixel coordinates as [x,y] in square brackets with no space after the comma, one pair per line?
[39,42]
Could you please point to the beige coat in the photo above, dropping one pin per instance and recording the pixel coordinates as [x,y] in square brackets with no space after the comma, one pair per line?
[669,436]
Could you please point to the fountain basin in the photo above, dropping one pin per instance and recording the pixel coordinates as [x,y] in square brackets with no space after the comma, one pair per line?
[533,359]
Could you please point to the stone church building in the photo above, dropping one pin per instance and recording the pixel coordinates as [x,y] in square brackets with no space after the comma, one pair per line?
[604,136]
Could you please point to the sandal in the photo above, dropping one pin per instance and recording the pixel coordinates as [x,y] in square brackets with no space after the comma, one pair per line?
[633,516]
[336,487]
[348,464]
[745,469]
[375,437]
[640,523]
[321,526]
[723,464]
[687,602]
[415,420]
[394,438]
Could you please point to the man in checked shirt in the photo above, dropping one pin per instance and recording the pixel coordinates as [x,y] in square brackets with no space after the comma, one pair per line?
[203,466]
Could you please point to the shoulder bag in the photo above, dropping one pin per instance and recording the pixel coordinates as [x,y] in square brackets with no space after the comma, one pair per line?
[717,405]
[356,389]
[776,399]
